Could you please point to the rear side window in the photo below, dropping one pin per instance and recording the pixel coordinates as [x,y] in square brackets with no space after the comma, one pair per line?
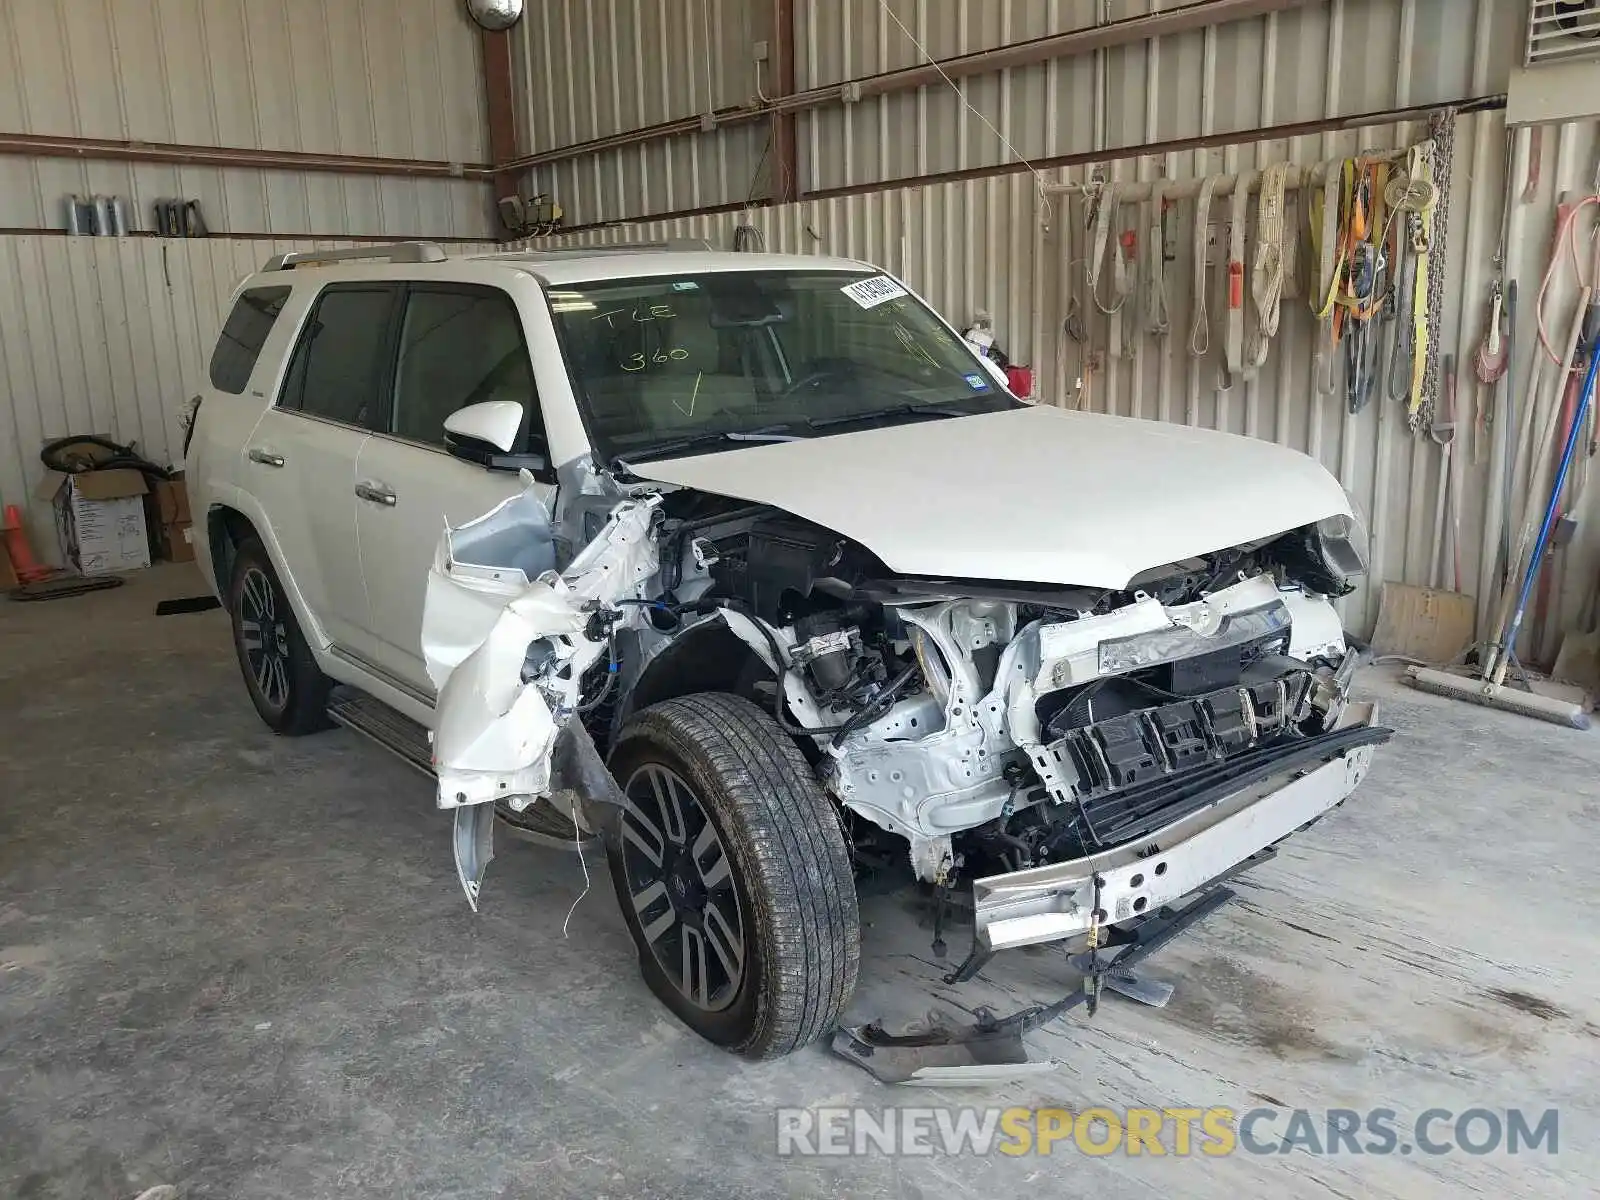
[458,347]
[252,318]
[340,358]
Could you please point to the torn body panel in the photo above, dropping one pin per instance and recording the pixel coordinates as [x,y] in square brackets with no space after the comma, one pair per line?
[504,701]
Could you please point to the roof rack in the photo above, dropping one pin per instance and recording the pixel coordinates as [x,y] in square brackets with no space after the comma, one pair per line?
[622,247]
[396,252]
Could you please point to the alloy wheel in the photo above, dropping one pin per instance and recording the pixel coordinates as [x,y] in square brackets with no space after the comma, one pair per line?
[680,879]
[264,636]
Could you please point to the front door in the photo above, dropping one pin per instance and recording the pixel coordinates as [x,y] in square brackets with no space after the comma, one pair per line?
[459,344]
[300,460]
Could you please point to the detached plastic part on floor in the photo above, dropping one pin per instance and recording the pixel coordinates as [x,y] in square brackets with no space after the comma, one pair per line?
[507,642]
[990,1051]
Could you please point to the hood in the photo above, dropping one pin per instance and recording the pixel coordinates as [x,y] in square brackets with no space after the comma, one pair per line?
[1037,495]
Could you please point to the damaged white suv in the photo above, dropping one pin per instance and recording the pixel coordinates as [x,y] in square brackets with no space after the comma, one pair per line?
[763,535]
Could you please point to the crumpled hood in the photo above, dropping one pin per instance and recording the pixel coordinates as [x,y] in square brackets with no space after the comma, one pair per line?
[1038,495]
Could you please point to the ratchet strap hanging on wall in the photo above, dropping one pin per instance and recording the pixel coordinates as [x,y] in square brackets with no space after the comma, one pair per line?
[1128,239]
[1365,273]
[1402,266]
[1233,362]
[1322,216]
[1270,267]
[1103,210]
[1199,322]
[1349,229]
[1158,321]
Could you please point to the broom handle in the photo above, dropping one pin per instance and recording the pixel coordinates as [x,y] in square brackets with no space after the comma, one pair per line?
[1573,434]
[1538,455]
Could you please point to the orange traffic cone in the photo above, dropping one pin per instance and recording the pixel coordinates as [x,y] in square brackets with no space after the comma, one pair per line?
[22,561]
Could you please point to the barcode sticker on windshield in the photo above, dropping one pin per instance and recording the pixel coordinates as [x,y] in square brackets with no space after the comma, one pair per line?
[869,293]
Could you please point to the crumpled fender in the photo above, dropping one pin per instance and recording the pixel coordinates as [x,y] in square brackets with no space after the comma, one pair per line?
[493,732]
[508,656]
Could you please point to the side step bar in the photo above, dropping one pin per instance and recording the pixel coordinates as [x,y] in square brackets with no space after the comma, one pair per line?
[408,741]
[380,724]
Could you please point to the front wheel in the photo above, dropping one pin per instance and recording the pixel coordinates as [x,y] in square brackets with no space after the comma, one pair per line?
[733,876]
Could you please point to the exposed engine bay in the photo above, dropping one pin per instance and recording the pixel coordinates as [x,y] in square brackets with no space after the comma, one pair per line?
[1030,723]
[977,726]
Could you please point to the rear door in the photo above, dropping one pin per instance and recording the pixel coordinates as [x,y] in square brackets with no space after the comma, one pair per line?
[457,344]
[301,460]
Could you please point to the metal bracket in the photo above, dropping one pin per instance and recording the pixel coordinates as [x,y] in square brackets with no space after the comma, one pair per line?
[474,845]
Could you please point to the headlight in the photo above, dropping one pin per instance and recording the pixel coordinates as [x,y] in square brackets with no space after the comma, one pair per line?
[1342,544]
[1325,557]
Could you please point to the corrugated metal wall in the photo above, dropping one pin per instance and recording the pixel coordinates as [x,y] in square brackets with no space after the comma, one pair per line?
[109,336]
[590,69]
[1322,60]
[394,78]
[982,245]
[585,69]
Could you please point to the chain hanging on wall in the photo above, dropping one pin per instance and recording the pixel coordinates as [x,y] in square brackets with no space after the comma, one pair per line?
[1442,132]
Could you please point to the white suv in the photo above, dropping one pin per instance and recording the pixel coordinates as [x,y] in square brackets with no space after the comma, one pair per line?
[768,534]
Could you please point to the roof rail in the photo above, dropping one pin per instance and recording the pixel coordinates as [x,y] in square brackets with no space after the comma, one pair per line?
[397,252]
[623,247]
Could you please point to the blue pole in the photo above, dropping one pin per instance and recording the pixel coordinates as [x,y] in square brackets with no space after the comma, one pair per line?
[1539,546]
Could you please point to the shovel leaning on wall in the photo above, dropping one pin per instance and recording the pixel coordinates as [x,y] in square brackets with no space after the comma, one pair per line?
[1432,624]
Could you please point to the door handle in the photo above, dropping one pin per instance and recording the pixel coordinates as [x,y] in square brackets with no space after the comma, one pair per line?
[265,457]
[377,493]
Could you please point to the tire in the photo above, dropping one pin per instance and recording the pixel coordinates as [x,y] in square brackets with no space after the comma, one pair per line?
[774,864]
[289,691]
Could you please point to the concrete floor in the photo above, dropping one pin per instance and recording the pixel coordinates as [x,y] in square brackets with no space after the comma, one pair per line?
[242,965]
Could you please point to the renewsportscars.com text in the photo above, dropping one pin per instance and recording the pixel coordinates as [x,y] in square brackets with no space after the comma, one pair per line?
[1181,1132]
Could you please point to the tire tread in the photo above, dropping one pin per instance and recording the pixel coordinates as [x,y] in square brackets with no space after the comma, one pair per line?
[790,840]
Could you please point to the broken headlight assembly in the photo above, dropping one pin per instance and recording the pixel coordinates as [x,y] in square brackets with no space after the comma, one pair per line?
[1327,556]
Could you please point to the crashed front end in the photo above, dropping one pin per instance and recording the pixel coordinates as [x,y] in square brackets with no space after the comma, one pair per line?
[1077,757]
[1084,771]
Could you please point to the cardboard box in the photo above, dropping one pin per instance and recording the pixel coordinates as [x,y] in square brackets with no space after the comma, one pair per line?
[177,542]
[100,521]
[168,509]
[170,500]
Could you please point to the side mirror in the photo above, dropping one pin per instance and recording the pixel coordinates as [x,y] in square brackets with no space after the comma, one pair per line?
[493,422]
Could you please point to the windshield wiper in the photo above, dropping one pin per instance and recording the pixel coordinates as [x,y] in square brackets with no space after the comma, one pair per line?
[767,433]
[898,410]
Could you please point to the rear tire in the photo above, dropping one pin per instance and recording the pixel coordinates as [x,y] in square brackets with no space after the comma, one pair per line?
[289,691]
[733,876]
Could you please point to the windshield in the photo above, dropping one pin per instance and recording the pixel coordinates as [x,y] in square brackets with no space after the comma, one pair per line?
[741,355]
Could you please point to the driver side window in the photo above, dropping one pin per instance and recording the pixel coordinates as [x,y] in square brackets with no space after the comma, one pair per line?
[460,345]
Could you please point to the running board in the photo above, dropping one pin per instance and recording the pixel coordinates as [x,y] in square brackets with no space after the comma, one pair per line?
[540,823]
[378,723]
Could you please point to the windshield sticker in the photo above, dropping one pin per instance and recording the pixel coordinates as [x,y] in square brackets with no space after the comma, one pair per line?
[977,383]
[869,293]
[686,285]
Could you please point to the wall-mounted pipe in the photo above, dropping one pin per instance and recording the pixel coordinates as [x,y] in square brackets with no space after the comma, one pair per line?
[50,146]
[1020,54]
